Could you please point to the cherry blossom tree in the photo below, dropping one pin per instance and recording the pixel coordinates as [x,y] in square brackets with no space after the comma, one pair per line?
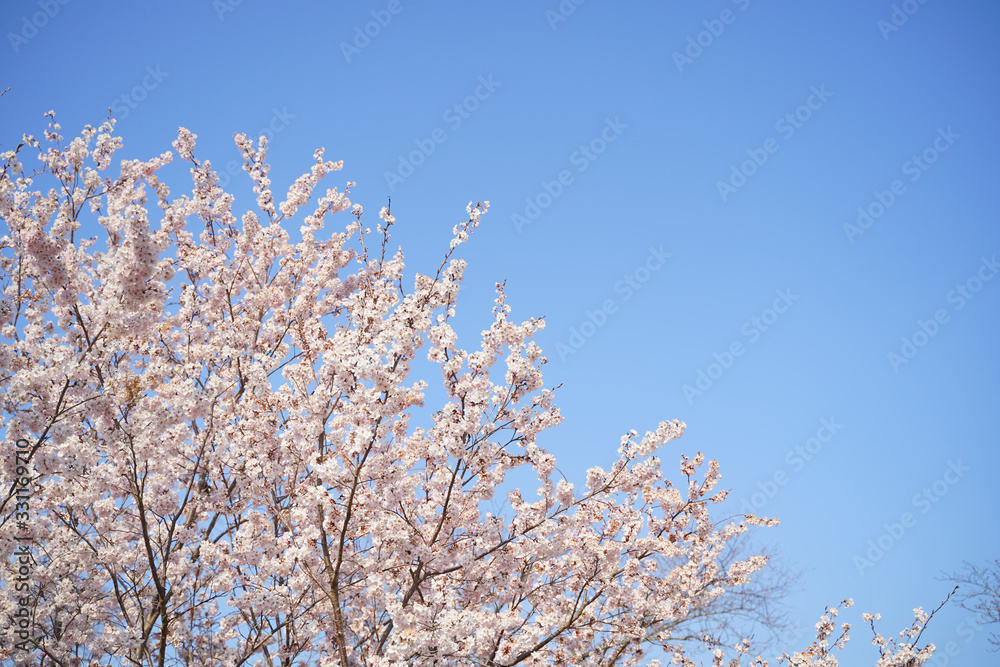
[212,461]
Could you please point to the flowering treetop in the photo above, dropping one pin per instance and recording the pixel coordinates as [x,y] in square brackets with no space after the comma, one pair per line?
[222,470]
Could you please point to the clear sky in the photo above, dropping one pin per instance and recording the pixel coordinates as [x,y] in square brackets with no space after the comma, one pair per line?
[775,221]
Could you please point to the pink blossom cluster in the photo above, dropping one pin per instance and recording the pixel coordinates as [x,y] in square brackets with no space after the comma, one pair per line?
[225,471]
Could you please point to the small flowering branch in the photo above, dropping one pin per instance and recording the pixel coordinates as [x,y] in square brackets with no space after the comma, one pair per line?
[906,653]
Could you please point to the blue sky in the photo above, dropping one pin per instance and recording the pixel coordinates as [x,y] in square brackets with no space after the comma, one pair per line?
[676,188]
